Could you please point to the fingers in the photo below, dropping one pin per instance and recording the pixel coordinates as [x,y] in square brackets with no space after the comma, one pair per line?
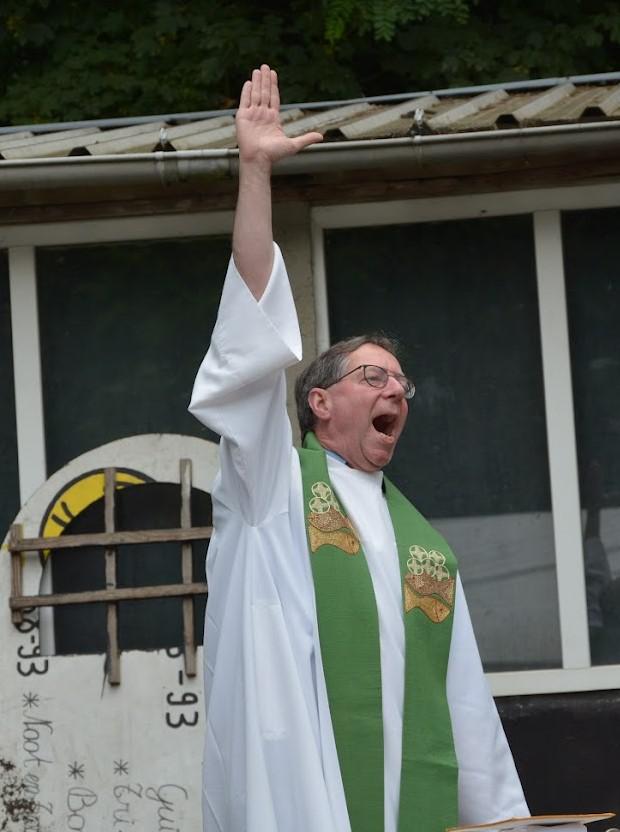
[308,138]
[275,92]
[265,85]
[246,94]
[256,88]
[262,90]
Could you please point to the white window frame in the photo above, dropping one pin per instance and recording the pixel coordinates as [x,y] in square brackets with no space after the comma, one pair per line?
[21,242]
[576,673]
[545,205]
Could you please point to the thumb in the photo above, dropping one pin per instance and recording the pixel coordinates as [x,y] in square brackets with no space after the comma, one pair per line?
[307,139]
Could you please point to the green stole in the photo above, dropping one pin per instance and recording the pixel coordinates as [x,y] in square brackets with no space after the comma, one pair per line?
[349,637]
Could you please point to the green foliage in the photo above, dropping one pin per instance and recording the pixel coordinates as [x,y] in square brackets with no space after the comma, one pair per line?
[64,60]
[380,18]
[509,40]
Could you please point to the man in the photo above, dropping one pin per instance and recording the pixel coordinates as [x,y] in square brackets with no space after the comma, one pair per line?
[343,684]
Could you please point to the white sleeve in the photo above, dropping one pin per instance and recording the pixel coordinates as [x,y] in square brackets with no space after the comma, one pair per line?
[489,786]
[240,390]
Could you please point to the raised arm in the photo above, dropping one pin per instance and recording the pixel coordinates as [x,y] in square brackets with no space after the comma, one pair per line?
[262,142]
[240,388]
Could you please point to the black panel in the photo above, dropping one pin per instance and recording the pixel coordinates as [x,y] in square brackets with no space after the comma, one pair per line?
[590,240]
[461,298]
[566,747]
[124,328]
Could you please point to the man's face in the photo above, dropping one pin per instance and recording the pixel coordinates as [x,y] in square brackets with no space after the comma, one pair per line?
[364,423]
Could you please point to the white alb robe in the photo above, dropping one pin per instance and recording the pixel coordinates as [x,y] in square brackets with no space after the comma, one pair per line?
[270,760]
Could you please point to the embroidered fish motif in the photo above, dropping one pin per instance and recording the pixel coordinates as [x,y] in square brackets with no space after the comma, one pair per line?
[428,586]
[327,523]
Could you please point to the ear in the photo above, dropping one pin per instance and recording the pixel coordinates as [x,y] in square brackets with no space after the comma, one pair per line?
[320,403]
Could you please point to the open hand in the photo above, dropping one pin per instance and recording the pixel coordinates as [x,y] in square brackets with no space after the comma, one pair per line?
[259,133]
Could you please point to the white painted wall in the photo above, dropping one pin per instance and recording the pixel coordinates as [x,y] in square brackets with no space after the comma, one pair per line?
[92,756]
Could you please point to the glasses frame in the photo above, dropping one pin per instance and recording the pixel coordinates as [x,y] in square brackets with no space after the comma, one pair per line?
[406,383]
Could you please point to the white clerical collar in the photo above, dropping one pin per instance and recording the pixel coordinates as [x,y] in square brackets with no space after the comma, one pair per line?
[376,475]
[334,455]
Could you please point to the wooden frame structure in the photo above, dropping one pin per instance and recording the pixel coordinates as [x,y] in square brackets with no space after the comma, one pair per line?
[110,540]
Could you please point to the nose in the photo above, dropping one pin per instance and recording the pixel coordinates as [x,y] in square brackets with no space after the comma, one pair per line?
[394,389]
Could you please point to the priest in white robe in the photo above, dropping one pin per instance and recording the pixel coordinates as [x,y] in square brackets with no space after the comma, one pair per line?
[271,754]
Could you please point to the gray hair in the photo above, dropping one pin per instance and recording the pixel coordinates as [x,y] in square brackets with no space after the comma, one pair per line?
[327,368]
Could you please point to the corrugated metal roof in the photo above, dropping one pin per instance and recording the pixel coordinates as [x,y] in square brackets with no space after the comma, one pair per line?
[491,110]
[382,120]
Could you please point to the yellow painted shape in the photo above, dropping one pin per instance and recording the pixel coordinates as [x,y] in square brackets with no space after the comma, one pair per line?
[80,494]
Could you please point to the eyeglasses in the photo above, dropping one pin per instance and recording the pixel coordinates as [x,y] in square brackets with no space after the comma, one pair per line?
[378,377]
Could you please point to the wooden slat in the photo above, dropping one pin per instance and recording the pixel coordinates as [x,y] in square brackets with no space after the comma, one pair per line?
[74,541]
[16,571]
[189,647]
[132,593]
[113,653]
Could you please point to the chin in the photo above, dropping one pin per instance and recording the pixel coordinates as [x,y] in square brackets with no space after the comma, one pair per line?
[378,461]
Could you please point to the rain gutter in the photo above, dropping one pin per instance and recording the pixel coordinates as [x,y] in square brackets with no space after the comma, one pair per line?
[175,167]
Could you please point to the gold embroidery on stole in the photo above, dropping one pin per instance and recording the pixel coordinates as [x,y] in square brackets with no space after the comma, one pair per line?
[428,586]
[327,523]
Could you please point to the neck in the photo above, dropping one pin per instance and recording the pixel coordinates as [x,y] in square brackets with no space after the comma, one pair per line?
[331,447]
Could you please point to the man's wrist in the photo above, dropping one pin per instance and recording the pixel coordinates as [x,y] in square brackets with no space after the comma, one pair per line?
[256,167]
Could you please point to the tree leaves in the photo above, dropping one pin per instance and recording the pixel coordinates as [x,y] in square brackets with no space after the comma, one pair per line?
[69,60]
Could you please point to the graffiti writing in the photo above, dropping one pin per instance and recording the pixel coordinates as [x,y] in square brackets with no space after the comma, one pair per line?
[32,788]
[79,799]
[29,659]
[122,812]
[27,625]
[176,717]
[36,740]
[167,811]
[129,799]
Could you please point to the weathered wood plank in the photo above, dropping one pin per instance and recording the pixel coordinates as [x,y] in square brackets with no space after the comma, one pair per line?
[16,571]
[107,595]
[74,541]
[113,653]
[189,647]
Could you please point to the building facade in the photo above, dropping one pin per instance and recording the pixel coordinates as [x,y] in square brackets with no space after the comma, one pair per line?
[480,228]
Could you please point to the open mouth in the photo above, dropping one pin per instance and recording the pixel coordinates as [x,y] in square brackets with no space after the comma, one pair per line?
[384,424]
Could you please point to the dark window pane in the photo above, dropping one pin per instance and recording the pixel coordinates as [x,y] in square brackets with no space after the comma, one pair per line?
[123,330]
[593,298]
[461,298]
[9,477]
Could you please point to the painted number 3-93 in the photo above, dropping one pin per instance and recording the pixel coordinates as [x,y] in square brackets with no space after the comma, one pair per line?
[176,719]
[27,664]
